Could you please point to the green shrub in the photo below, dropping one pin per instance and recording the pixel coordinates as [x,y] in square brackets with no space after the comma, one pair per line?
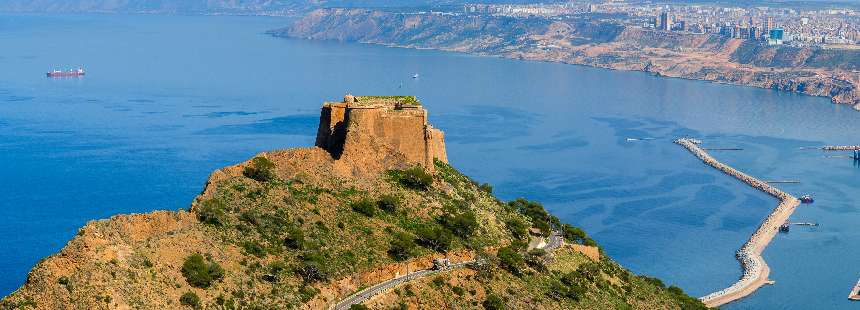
[253,248]
[311,268]
[486,187]
[510,259]
[459,291]
[213,212]
[413,178]
[190,299]
[687,302]
[295,238]
[538,252]
[252,217]
[64,281]
[311,272]
[573,234]
[568,287]
[462,225]
[358,307]
[402,247]
[364,206]
[493,302]
[406,100]
[435,237]
[438,281]
[517,228]
[146,263]
[307,292]
[261,169]
[200,273]
[541,219]
[576,235]
[653,281]
[277,267]
[519,245]
[388,203]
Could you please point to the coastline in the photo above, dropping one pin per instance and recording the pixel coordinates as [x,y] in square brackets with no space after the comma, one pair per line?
[756,270]
[708,58]
[832,99]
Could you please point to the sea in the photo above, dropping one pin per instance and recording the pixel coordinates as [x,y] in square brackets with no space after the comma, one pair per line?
[168,99]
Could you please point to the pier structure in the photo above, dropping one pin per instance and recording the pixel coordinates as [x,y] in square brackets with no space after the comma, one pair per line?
[755,269]
[855,150]
[855,292]
[841,148]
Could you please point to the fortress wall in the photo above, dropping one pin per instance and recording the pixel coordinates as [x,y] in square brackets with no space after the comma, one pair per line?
[324,129]
[330,132]
[375,129]
[401,131]
[436,145]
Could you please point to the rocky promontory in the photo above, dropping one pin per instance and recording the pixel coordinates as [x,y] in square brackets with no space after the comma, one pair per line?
[304,228]
[599,43]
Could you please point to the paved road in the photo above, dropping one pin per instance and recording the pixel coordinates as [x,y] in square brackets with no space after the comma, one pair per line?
[555,241]
[365,294]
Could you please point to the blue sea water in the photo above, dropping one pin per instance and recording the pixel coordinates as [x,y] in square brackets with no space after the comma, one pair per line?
[168,99]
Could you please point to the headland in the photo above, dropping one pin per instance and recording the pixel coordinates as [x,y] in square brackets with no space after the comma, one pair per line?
[305,228]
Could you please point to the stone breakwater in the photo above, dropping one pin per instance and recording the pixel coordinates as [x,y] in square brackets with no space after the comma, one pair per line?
[755,270]
[841,148]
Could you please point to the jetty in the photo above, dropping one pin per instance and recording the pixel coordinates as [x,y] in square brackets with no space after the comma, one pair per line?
[855,292]
[841,148]
[755,269]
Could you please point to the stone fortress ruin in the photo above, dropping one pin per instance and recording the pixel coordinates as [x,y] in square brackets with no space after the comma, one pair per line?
[362,124]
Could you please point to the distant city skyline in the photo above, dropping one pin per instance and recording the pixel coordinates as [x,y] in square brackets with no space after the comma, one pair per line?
[768,24]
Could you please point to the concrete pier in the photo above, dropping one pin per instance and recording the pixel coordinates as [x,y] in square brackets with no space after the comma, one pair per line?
[841,148]
[755,269]
[855,292]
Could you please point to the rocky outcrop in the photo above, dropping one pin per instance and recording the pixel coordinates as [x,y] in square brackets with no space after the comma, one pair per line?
[358,125]
[576,40]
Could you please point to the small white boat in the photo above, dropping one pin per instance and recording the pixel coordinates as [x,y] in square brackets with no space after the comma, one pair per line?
[415,76]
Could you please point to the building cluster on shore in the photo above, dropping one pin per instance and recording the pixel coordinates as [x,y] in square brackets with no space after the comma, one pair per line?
[755,270]
[797,26]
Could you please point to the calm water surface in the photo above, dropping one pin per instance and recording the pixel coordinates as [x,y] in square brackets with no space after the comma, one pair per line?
[167,100]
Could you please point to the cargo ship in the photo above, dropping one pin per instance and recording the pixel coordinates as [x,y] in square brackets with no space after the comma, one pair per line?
[70,73]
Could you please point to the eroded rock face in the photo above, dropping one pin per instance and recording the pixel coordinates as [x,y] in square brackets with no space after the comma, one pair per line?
[355,129]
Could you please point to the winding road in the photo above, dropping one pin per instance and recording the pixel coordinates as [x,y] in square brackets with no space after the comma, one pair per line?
[555,241]
[365,294]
